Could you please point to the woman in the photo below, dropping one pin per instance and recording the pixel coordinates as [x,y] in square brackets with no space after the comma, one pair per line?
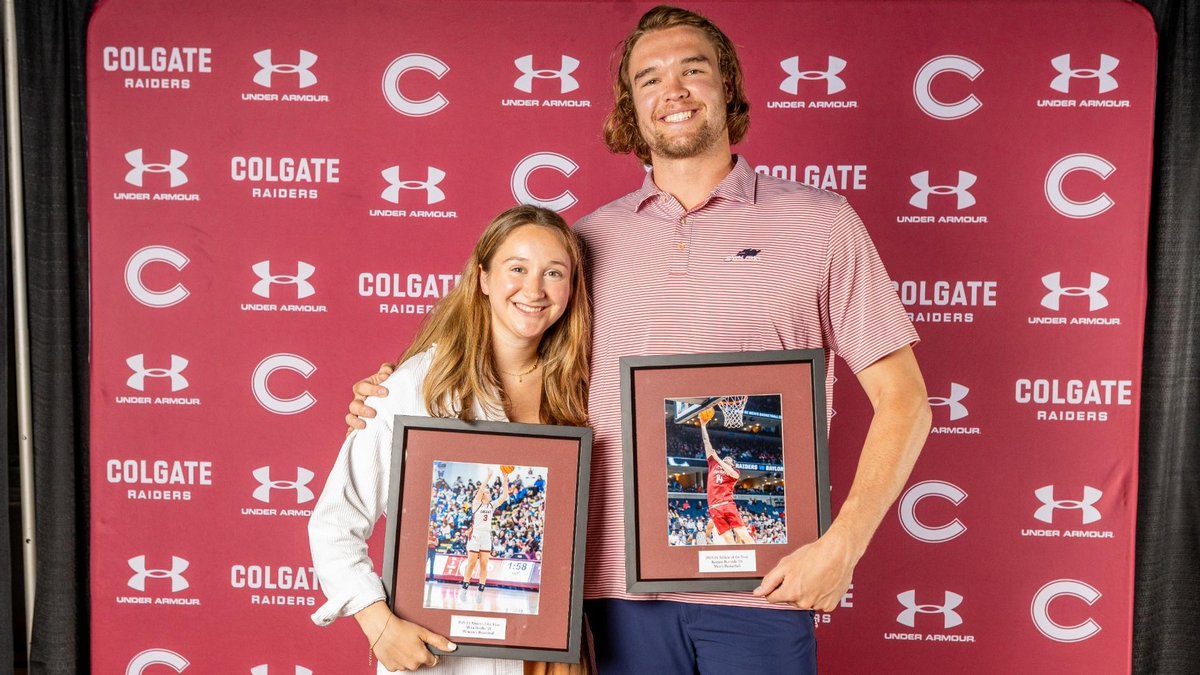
[509,343]
[479,545]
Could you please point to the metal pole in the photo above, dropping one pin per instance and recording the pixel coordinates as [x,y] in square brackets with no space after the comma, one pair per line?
[16,223]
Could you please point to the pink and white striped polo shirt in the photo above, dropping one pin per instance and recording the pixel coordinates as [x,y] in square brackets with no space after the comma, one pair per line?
[762,264]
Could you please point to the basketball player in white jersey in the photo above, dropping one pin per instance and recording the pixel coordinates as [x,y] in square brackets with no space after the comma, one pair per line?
[479,546]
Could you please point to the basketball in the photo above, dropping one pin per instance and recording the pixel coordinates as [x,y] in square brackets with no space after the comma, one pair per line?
[707,415]
[506,469]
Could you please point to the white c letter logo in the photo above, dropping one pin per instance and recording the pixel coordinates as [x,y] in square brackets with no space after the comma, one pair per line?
[908,511]
[543,160]
[156,657]
[1047,626]
[133,276]
[935,108]
[1067,206]
[282,406]
[391,85]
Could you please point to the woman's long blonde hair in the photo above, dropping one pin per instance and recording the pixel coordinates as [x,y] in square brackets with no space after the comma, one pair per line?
[464,372]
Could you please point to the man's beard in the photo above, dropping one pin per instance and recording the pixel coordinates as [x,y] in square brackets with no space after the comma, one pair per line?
[685,147]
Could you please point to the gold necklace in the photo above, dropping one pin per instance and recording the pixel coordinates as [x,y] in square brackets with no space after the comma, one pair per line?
[521,376]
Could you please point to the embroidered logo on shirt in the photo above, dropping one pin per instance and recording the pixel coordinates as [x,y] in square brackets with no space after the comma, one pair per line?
[744,254]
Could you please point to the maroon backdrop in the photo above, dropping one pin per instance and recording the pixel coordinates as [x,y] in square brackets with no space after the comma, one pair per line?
[281,190]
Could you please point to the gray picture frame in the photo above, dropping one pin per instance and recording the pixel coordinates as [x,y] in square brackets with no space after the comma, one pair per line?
[489,434]
[631,367]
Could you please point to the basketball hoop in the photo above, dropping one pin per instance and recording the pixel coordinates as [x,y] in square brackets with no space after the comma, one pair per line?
[732,408]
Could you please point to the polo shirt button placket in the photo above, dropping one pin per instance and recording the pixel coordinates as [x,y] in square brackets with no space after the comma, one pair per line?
[679,260]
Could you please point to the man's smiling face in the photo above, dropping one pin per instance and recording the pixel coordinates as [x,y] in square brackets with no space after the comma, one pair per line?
[678,93]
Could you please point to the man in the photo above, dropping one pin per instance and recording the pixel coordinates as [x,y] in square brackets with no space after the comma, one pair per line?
[817,282]
[722,479]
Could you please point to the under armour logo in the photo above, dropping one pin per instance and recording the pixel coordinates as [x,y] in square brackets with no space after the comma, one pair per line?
[137,363]
[263,492]
[263,76]
[141,168]
[924,189]
[433,176]
[264,669]
[1062,81]
[1096,300]
[304,272]
[957,393]
[950,618]
[833,83]
[566,82]
[1045,495]
[175,574]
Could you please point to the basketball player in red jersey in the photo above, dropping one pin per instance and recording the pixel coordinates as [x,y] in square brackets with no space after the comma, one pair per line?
[722,478]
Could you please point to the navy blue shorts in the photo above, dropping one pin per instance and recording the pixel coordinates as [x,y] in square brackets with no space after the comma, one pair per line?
[675,638]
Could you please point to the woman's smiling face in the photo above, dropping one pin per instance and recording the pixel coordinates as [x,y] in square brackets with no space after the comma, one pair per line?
[528,284]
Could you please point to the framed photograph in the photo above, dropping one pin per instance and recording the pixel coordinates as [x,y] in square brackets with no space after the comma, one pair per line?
[486,533]
[726,466]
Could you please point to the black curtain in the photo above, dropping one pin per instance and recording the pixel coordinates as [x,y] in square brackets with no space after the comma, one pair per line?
[51,37]
[1167,578]
[51,42]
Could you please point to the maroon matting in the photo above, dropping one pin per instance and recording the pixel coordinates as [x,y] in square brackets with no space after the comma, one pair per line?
[657,560]
[548,629]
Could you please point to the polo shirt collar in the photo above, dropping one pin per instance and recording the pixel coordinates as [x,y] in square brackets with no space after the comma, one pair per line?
[738,186]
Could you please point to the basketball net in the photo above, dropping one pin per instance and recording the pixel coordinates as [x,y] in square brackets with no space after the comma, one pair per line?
[732,408]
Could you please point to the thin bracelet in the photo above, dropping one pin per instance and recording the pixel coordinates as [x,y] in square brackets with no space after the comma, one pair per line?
[371,649]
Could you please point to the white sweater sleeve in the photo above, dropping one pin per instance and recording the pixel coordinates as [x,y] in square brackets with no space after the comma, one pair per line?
[354,498]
